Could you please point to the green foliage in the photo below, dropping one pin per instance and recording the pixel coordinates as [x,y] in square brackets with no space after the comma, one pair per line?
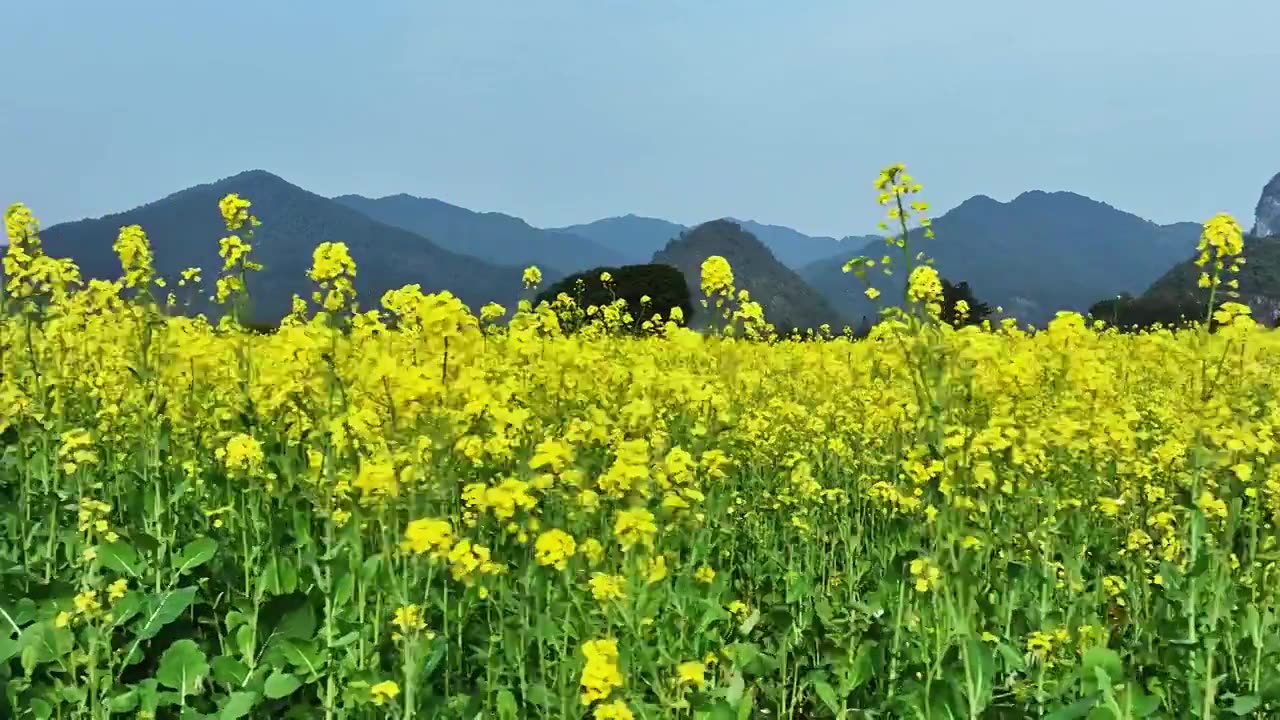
[647,289]
[1141,313]
[954,293]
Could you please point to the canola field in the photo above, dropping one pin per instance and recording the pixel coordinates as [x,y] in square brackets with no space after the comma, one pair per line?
[417,512]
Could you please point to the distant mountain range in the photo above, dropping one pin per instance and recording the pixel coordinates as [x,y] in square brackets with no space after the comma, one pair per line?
[491,236]
[788,302]
[184,229]
[1036,254]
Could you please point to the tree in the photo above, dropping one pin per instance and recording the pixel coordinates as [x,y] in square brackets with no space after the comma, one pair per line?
[646,289]
[976,312]
[1140,313]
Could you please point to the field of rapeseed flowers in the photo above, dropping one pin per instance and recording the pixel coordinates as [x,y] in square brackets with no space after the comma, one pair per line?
[414,512]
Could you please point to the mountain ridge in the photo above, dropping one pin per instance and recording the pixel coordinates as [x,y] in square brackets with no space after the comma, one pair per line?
[484,235]
[184,228]
[1040,252]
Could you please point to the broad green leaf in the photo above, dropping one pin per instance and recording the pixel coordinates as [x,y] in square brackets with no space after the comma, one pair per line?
[45,642]
[229,671]
[280,685]
[1078,709]
[719,711]
[507,705]
[1244,704]
[124,702]
[1106,659]
[195,554]
[827,694]
[537,694]
[183,667]
[238,705]
[120,557]
[162,609]
[302,655]
[737,688]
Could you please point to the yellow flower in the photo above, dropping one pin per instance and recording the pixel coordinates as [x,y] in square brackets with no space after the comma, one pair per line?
[692,673]
[592,550]
[737,607]
[383,692]
[600,675]
[532,276]
[608,587]
[242,453]
[656,570]
[705,575]
[554,548]
[615,710]
[117,590]
[927,575]
[634,527]
[428,535]
[717,276]
[409,618]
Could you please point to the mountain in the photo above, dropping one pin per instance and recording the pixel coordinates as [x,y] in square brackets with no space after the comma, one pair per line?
[1034,255]
[788,302]
[637,238]
[184,229]
[490,236]
[1266,221]
[795,249]
[1259,280]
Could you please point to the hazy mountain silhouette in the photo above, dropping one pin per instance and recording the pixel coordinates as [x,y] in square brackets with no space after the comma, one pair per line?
[637,238]
[490,236]
[788,302]
[184,229]
[795,249]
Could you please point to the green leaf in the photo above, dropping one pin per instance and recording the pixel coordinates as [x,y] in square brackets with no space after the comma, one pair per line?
[507,705]
[737,688]
[291,617]
[1075,710]
[44,642]
[280,685]
[124,702]
[238,705]
[162,609]
[229,671]
[303,656]
[126,607]
[719,711]
[1105,658]
[120,557]
[1244,704]
[183,667]
[827,694]
[195,554]
[537,694]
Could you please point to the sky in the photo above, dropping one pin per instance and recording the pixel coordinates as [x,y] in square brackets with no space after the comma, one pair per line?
[563,112]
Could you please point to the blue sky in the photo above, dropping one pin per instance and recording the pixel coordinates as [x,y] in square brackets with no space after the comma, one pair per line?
[564,112]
